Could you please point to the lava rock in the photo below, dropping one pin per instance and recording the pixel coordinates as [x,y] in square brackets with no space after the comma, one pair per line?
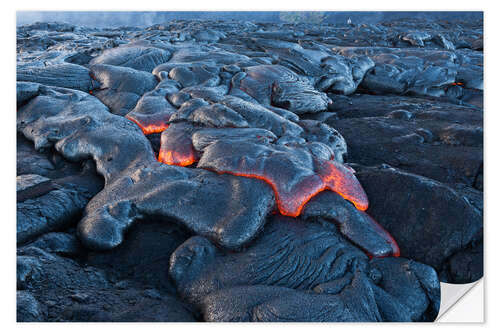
[80,127]
[141,58]
[416,38]
[373,138]
[429,220]
[176,145]
[279,304]
[465,266]
[205,137]
[293,263]
[228,209]
[104,114]
[316,131]
[197,55]
[29,270]
[408,71]
[412,287]
[47,162]
[209,94]
[60,75]
[210,36]
[153,111]
[460,135]
[258,116]
[279,86]
[45,205]
[356,225]
[294,173]
[61,243]
[144,257]
[298,256]
[83,293]
[28,308]
[26,91]
[121,87]
[168,309]
[214,115]
[195,75]
[343,75]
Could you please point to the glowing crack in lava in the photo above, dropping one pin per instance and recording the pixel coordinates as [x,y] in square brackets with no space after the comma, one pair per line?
[293,173]
[149,124]
[333,176]
[176,147]
[340,179]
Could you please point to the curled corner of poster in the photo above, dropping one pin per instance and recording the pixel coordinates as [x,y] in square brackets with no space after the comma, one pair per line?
[462,303]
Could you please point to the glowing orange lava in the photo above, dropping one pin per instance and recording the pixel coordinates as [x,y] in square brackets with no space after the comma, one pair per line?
[150,124]
[174,158]
[176,148]
[341,180]
[331,175]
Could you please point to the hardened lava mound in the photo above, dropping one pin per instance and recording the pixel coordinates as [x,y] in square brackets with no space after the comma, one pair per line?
[242,171]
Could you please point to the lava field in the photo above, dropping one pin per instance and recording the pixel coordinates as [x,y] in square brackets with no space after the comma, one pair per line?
[240,171]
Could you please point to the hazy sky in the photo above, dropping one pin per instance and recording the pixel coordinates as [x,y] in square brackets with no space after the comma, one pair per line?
[115,19]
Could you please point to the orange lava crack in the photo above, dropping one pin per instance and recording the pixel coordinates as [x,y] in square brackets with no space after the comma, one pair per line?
[332,176]
[150,124]
[174,158]
[177,149]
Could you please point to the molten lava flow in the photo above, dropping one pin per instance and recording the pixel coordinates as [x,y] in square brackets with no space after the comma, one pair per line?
[174,158]
[330,175]
[341,180]
[294,179]
[291,203]
[176,148]
[151,123]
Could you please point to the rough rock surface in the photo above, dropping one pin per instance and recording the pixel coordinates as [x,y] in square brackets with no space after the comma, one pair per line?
[441,141]
[153,111]
[60,75]
[238,171]
[279,86]
[137,57]
[65,290]
[228,209]
[293,263]
[45,204]
[431,221]
[121,87]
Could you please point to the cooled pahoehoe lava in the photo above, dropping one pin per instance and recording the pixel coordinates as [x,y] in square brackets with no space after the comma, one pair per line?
[199,170]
